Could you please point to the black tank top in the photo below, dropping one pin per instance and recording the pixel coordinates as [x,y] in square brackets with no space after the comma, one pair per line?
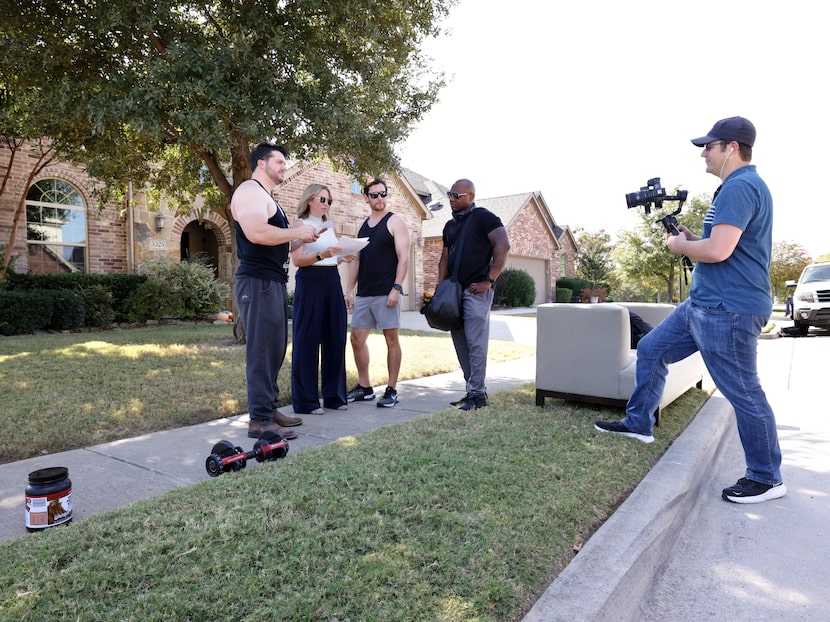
[269,263]
[378,260]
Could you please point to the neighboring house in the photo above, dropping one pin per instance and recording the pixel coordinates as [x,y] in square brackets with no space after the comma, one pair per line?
[64,231]
[537,244]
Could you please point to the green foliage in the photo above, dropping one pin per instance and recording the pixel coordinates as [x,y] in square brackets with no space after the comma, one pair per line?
[104,295]
[68,310]
[564,294]
[176,94]
[575,284]
[24,312]
[176,289]
[786,263]
[594,261]
[514,288]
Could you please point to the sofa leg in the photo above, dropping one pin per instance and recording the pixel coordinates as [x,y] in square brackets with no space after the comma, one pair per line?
[540,398]
[657,417]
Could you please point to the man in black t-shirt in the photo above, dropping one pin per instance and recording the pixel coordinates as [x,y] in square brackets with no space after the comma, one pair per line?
[482,260]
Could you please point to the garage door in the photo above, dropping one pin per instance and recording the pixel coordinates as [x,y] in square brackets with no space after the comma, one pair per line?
[536,268]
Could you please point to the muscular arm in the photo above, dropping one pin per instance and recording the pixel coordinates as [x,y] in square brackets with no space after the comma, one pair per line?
[443,269]
[252,208]
[717,247]
[400,232]
[501,246]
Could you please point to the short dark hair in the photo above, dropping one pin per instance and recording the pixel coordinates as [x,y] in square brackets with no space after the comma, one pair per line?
[263,151]
[374,182]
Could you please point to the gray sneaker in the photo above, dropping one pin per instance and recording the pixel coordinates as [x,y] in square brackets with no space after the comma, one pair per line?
[389,399]
[360,394]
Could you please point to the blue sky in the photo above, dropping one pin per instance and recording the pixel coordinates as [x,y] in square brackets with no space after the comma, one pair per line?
[585,101]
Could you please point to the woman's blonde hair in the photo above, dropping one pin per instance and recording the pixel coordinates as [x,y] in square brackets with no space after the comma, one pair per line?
[302,207]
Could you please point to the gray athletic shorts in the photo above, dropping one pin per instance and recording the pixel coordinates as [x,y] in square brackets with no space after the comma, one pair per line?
[372,312]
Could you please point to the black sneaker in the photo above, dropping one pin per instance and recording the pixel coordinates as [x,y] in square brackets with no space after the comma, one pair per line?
[460,402]
[750,491]
[619,428]
[389,399]
[360,394]
[474,402]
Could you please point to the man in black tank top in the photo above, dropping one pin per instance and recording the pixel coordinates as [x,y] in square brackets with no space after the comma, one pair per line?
[263,239]
[378,274]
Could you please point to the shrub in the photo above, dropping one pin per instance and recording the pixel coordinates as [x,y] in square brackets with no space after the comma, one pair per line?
[514,288]
[24,312]
[104,295]
[68,309]
[564,294]
[176,289]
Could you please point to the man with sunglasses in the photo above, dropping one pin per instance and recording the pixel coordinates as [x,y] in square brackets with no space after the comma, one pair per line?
[728,305]
[378,274]
[480,262]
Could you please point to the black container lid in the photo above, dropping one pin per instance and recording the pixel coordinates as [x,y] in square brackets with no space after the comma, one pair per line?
[51,474]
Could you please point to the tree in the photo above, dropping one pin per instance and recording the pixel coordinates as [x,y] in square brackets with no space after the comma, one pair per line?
[594,261]
[786,263]
[643,256]
[174,93]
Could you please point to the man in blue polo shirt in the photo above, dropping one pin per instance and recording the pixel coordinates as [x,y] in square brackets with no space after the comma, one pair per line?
[729,303]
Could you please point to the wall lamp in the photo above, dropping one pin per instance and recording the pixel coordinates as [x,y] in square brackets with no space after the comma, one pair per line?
[159,222]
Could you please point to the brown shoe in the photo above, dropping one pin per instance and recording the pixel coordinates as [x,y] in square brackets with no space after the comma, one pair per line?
[256,427]
[285,420]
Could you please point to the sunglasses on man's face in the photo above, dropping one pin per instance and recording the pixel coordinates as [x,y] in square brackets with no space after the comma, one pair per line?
[325,200]
[457,195]
[375,195]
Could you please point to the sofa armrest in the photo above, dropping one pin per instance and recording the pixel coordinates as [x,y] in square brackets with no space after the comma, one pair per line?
[581,348]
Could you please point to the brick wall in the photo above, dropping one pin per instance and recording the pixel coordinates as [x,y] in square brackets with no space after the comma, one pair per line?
[106,229]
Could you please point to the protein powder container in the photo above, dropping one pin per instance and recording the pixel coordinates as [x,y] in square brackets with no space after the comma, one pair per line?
[48,498]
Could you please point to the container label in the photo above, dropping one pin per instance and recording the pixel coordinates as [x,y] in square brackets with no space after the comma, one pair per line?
[48,510]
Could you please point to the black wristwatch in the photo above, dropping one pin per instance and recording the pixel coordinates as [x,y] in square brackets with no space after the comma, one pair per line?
[319,257]
[492,281]
[399,287]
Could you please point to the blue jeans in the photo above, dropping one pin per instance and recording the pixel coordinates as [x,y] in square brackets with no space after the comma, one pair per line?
[728,343]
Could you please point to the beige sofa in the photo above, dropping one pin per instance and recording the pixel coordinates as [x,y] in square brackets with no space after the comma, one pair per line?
[583,353]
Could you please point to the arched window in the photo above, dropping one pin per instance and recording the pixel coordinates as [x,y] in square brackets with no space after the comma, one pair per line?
[55,228]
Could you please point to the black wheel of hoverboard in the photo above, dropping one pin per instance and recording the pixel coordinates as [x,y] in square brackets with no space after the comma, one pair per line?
[223,449]
[270,437]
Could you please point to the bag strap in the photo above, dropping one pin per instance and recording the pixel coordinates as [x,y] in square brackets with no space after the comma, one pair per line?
[462,235]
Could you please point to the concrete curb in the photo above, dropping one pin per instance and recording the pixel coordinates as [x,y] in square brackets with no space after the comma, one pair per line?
[613,572]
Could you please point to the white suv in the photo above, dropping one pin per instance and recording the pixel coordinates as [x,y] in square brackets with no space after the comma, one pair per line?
[811,299]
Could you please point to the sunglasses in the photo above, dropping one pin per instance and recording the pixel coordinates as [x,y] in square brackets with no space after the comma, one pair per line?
[325,200]
[457,195]
[375,195]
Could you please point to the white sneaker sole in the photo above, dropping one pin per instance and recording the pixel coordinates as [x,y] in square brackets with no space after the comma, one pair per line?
[776,492]
[640,437]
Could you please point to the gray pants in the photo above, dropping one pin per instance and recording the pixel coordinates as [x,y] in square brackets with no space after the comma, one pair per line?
[472,339]
[263,307]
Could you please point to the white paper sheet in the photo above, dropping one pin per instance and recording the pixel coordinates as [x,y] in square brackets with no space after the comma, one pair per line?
[351,246]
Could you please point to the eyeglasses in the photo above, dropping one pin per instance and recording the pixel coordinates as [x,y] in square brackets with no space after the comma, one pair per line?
[710,146]
[375,195]
[457,195]
[325,200]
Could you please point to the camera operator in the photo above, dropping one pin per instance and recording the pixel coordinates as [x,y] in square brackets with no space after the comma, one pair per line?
[728,305]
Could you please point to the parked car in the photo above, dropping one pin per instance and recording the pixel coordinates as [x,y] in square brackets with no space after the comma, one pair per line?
[811,299]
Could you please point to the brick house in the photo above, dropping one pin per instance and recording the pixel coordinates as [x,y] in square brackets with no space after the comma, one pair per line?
[64,231]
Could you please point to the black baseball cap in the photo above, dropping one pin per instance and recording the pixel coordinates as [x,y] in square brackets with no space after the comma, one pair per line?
[733,128]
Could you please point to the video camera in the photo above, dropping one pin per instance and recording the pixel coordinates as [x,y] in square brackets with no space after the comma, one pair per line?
[654,194]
